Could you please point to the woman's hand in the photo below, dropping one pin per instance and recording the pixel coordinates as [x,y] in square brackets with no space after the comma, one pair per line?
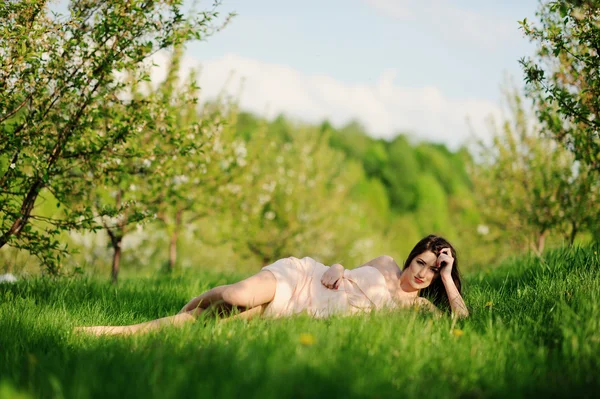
[332,278]
[445,261]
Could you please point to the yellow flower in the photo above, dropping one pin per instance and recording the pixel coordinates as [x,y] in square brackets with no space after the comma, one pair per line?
[489,304]
[457,332]
[307,339]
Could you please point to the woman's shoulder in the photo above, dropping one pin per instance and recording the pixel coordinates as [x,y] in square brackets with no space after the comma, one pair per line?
[387,266]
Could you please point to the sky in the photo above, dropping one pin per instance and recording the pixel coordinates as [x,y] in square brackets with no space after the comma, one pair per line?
[419,67]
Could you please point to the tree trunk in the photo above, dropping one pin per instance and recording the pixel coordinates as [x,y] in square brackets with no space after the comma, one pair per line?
[173,245]
[541,241]
[116,261]
[116,238]
[573,232]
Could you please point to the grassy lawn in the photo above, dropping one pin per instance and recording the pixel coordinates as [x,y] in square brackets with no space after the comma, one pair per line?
[534,330]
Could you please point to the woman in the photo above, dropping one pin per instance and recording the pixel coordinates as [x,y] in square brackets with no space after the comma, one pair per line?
[293,285]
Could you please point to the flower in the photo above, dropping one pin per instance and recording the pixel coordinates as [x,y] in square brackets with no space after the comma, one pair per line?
[307,339]
[457,332]
[12,165]
[483,230]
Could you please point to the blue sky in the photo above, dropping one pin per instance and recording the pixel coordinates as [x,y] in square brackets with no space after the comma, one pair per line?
[420,67]
[463,54]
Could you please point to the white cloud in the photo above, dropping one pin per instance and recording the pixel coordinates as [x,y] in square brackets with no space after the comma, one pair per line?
[383,107]
[452,22]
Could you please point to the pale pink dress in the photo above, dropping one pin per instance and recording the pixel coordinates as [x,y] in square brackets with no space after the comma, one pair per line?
[299,289]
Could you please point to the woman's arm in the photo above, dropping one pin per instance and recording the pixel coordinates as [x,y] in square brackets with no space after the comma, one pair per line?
[457,304]
[332,278]
[385,264]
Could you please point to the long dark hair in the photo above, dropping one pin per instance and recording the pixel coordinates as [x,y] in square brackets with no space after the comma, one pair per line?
[436,292]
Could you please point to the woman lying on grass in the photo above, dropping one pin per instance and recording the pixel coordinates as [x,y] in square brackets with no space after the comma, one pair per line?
[293,285]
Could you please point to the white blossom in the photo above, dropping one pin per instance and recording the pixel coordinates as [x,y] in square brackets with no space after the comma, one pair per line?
[224,164]
[270,186]
[180,179]
[12,165]
[483,230]
[263,199]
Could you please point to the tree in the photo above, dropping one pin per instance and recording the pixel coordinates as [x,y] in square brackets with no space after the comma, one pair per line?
[564,77]
[60,77]
[294,199]
[526,183]
[197,178]
[401,175]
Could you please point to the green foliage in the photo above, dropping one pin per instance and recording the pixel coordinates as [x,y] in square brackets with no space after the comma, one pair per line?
[563,77]
[432,212]
[527,185]
[62,103]
[401,175]
[294,198]
[532,319]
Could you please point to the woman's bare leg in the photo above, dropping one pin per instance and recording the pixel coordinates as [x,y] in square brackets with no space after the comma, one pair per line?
[252,294]
[205,299]
[253,291]
[256,290]
[177,320]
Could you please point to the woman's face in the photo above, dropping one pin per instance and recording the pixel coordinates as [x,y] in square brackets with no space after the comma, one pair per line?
[423,269]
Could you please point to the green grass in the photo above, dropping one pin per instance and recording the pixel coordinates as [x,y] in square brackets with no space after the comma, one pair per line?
[534,330]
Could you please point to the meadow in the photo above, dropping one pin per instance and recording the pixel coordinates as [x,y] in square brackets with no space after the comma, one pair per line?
[534,330]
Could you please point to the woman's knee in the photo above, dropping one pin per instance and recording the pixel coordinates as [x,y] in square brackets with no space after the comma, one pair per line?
[253,291]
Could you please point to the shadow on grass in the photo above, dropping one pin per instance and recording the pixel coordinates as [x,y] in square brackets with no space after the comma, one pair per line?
[55,364]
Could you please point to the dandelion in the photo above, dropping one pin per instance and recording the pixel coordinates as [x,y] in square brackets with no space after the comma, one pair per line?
[489,304]
[270,215]
[307,339]
[457,332]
